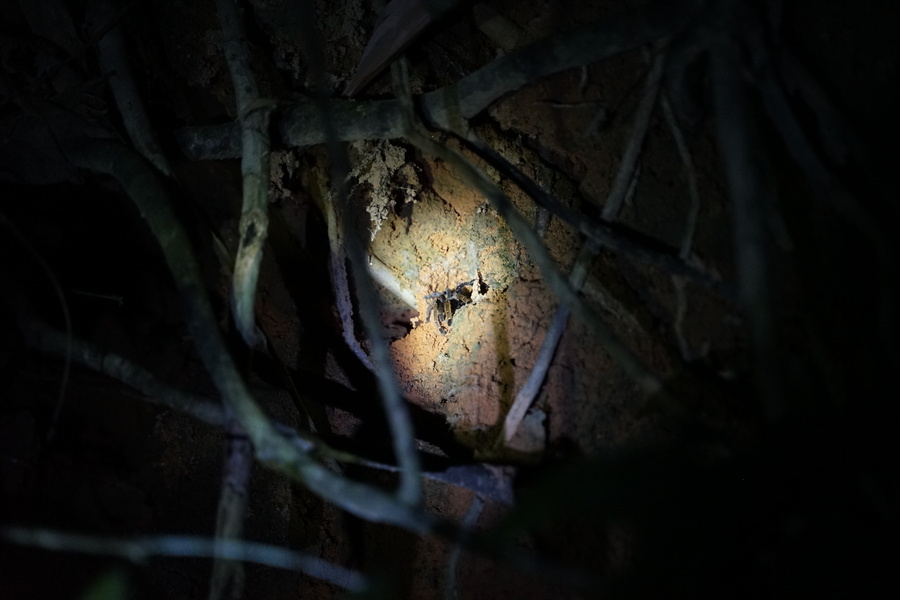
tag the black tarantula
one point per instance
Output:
(448, 302)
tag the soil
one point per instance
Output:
(465, 310)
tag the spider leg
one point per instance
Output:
(446, 311)
(461, 287)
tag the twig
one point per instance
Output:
(340, 280)
(104, 18)
(451, 589)
(301, 124)
(115, 298)
(840, 139)
(396, 413)
(253, 114)
(43, 337)
(66, 342)
(625, 176)
(399, 25)
(383, 275)
(272, 446)
(741, 156)
(532, 386)
(690, 227)
(595, 42)
(601, 232)
(829, 188)
(227, 578)
(140, 549)
(488, 481)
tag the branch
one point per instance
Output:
(140, 549)
(253, 113)
(65, 343)
(403, 439)
(611, 208)
(272, 446)
(690, 228)
(532, 386)
(837, 139)
(227, 579)
(104, 21)
(742, 156)
(41, 336)
(451, 578)
(340, 280)
(485, 480)
(369, 303)
(601, 231)
(302, 125)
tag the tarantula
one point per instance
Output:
(448, 302)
